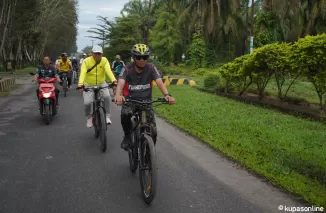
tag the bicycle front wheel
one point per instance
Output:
(102, 128)
(148, 169)
(65, 87)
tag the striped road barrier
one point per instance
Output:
(176, 81)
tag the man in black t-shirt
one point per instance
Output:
(136, 80)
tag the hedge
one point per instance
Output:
(305, 58)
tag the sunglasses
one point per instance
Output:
(144, 57)
(98, 53)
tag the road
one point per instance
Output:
(59, 168)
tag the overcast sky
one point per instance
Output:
(89, 10)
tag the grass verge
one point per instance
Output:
(19, 72)
(11, 88)
(288, 151)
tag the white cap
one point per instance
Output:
(84, 54)
(97, 49)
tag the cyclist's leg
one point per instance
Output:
(127, 111)
(105, 94)
(88, 100)
(151, 120)
(60, 76)
(69, 79)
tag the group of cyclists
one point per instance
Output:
(132, 81)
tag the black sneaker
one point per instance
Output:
(125, 142)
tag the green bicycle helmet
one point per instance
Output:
(140, 50)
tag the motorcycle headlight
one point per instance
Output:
(46, 94)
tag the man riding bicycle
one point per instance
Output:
(74, 64)
(92, 73)
(117, 66)
(136, 81)
(64, 65)
(46, 71)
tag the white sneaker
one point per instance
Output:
(108, 120)
(89, 123)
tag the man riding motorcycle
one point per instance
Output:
(136, 81)
(98, 66)
(64, 65)
(46, 71)
(117, 66)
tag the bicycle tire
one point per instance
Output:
(147, 142)
(65, 87)
(96, 131)
(102, 129)
(132, 153)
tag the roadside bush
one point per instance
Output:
(235, 78)
(310, 58)
(286, 62)
(213, 80)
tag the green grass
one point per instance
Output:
(19, 72)
(288, 151)
(11, 88)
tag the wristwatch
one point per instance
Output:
(168, 95)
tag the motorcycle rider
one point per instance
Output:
(64, 65)
(98, 66)
(47, 71)
(136, 81)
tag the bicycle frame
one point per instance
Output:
(141, 127)
(97, 103)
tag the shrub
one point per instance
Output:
(310, 57)
(212, 80)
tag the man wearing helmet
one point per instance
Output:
(136, 81)
(64, 65)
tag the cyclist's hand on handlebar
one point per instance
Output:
(170, 99)
(80, 87)
(119, 99)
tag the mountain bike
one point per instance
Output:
(142, 152)
(99, 115)
(64, 79)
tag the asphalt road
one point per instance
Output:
(59, 168)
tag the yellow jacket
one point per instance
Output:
(97, 75)
(64, 66)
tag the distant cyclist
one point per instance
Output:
(64, 65)
(117, 65)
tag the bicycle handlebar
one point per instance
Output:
(161, 100)
(95, 87)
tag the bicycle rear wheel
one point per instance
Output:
(102, 128)
(147, 169)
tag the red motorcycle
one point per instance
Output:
(47, 98)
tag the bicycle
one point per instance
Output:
(142, 152)
(99, 115)
(64, 77)
(75, 75)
